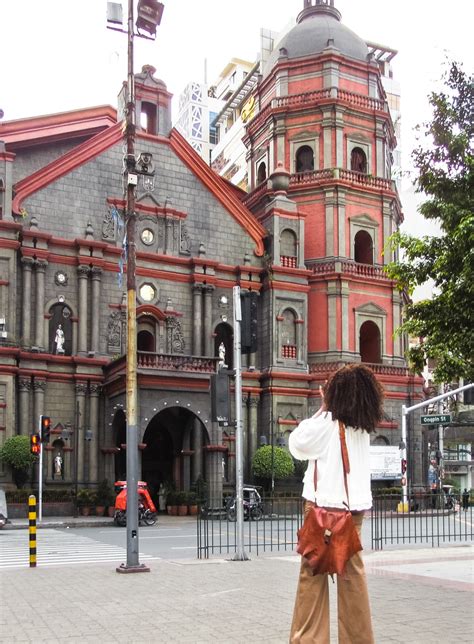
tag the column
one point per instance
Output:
(94, 391)
(27, 264)
(81, 391)
(39, 318)
(197, 449)
(83, 274)
(208, 349)
(197, 319)
(96, 277)
(24, 388)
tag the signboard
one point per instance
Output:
(436, 419)
(385, 462)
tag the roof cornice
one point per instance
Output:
(65, 164)
(219, 189)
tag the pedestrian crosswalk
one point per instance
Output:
(56, 548)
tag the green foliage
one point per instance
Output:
(85, 497)
(49, 496)
(105, 494)
(281, 463)
(16, 453)
(443, 325)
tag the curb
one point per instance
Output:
(61, 524)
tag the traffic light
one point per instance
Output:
(220, 396)
(249, 323)
(45, 428)
(35, 444)
(404, 465)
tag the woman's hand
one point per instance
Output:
(323, 408)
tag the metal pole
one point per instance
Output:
(440, 448)
(132, 564)
(240, 554)
(40, 473)
(403, 456)
(76, 455)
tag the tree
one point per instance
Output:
(270, 460)
(443, 325)
(16, 453)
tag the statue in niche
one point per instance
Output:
(59, 340)
(58, 466)
(185, 244)
(221, 352)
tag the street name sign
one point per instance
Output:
(436, 419)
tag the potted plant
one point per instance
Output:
(182, 503)
(192, 504)
(171, 506)
(16, 452)
(85, 500)
(105, 498)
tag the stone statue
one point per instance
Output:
(59, 339)
(221, 351)
(58, 465)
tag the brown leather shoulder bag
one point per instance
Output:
(328, 537)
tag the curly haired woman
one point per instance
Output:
(353, 396)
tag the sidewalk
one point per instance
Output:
(418, 595)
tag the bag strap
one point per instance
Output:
(346, 467)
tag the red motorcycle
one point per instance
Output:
(146, 507)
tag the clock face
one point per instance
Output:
(147, 236)
(147, 292)
(61, 277)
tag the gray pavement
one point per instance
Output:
(418, 595)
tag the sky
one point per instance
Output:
(58, 55)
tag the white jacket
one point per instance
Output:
(318, 439)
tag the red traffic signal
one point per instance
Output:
(35, 444)
(45, 428)
(404, 465)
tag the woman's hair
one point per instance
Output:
(354, 396)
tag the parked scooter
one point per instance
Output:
(146, 507)
(252, 502)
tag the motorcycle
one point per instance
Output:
(252, 505)
(146, 507)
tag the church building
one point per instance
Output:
(310, 237)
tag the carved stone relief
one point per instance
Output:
(175, 339)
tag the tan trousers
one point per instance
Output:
(311, 614)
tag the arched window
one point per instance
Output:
(261, 173)
(369, 342)
(288, 335)
(358, 160)
(223, 334)
(60, 330)
(148, 118)
(145, 341)
(288, 249)
(363, 247)
(304, 159)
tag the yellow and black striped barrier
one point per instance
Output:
(32, 529)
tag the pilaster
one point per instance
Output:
(83, 276)
(208, 291)
(27, 267)
(39, 317)
(96, 283)
(24, 389)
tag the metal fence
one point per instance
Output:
(433, 519)
(274, 529)
(428, 519)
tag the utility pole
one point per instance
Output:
(149, 16)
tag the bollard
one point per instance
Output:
(32, 529)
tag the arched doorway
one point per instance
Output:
(170, 455)
(363, 248)
(145, 341)
(369, 342)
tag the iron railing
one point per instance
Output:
(433, 519)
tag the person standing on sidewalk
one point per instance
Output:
(353, 396)
(465, 500)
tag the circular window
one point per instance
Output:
(147, 292)
(148, 236)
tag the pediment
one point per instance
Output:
(371, 309)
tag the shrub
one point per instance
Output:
(105, 495)
(276, 460)
(16, 453)
(85, 497)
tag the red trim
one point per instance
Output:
(148, 209)
(65, 164)
(7, 156)
(148, 309)
(219, 189)
(215, 448)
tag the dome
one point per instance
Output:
(318, 27)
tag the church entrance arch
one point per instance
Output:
(174, 440)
